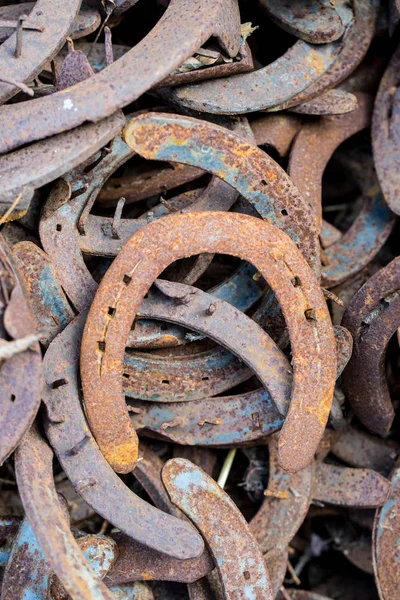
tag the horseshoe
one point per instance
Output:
(372, 317)
(34, 472)
(332, 102)
(308, 20)
(240, 564)
(20, 394)
(384, 542)
(56, 18)
(281, 265)
(243, 165)
(316, 68)
(360, 30)
(25, 170)
(262, 89)
(28, 572)
(359, 449)
(60, 218)
(86, 22)
(224, 420)
(98, 97)
(79, 456)
(288, 497)
(386, 133)
(314, 146)
(221, 421)
(187, 305)
(51, 309)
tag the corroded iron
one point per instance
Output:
(244, 166)
(311, 21)
(56, 19)
(108, 325)
(372, 318)
(240, 563)
(86, 468)
(21, 370)
(186, 24)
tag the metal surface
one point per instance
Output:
(332, 102)
(312, 21)
(243, 63)
(56, 18)
(360, 20)
(116, 303)
(184, 27)
(85, 466)
(238, 558)
(219, 421)
(25, 170)
(386, 133)
(51, 309)
(372, 318)
(385, 553)
(20, 375)
(187, 305)
(314, 146)
(87, 20)
(244, 166)
(34, 473)
(262, 89)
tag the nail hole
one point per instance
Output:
(284, 212)
(12, 398)
(205, 378)
(166, 381)
(310, 314)
(58, 383)
(101, 346)
(126, 375)
(246, 575)
(263, 182)
(127, 279)
(111, 311)
(58, 227)
(296, 281)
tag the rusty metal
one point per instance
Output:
(385, 542)
(240, 564)
(359, 449)
(189, 306)
(314, 146)
(385, 133)
(242, 63)
(372, 317)
(34, 471)
(51, 309)
(21, 374)
(360, 21)
(56, 17)
(86, 468)
(230, 234)
(86, 21)
(310, 20)
(23, 171)
(184, 27)
(220, 421)
(244, 166)
(261, 89)
(28, 573)
(74, 68)
(332, 102)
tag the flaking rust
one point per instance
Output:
(117, 302)
(238, 558)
